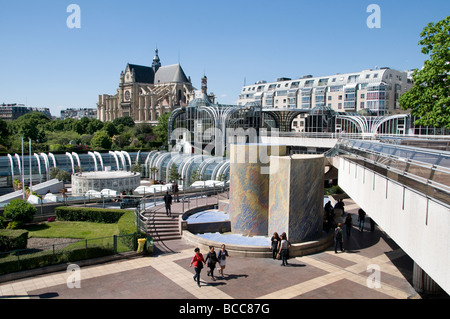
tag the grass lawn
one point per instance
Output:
(63, 229)
(82, 230)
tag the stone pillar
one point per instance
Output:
(423, 283)
(153, 105)
(249, 187)
(296, 196)
(147, 107)
(141, 108)
(108, 110)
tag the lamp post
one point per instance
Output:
(23, 179)
(31, 179)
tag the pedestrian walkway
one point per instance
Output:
(166, 275)
(352, 274)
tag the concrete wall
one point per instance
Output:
(420, 226)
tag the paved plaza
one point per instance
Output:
(166, 275)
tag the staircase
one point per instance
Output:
(162, 227)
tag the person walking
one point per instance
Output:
(198, 262)
(211, 260)
(338, 238)
(222, 256)
(284, 249)
(168, 202)
(274, 243)
(361, 217)
(348, 224)
(175, 191)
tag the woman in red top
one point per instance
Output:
(198, 262)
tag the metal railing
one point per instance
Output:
(41, 256)
(425, 176)
(190, 198)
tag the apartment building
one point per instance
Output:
(372, 91)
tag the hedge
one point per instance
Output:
(11, 239)
(87, 214)
(14, 263)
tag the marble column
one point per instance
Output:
(296, 196)
(249, 187)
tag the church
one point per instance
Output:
(145, 93)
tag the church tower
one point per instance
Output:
(204, 85)
(156, 61)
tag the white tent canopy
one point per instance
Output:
(109, 192)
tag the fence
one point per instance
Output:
(25, 259)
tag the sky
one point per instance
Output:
(46, 62)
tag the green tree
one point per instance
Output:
(429, 98)
(173, 173)
(101, 139)
(19, 210)
(125, 121)
(110, 129)
(59, 174)
(161, 128)
(196, 175)
(94, 126)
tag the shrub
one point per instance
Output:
(13, 239)
(18, 210)
(87, 214)
(14, 225)
(17, 262)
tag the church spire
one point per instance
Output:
(156, 62)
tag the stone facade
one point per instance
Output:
(145, 93)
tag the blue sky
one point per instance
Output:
(43, 63)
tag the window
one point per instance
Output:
(309, 83)
(367, 76)
(363, 96)
(336, 88)
(340, 106)
(295, 84)
(375, 75)
(340, 97)
(361, 105)
(329, 98)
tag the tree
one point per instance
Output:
(429, 98)
(101, 139)
(110, 129)
(173, 173)
(59, 174)
(196, 175)
(19, 210)
(161, 128)
(125, 120)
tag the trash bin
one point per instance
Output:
(141, 244)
